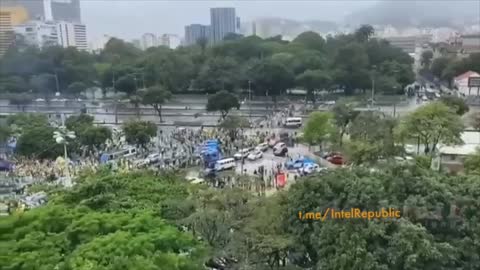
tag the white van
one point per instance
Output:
(224, 164)
(293, 122)
(280, 149)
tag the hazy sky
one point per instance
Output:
(131, 18)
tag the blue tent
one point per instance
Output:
(6, 165)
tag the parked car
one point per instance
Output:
(243, 153)
(299, 163)
(280, 149)
(312, 168)
(256, 154)
(262, 147)
(336, 159)
(152, 158)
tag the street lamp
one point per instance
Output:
(374, 68)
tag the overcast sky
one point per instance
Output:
(129, 19)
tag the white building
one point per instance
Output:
(98, 44)
(453, 157)
(149, 40)
(461, 82)
(38, 33)
(72, 35)
(169, 40)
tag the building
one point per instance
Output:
(169, 40)
(35, 9)
(223, 21)
(66, 10)
(408, 43)
(470, 43)
(38, 33)
(10, 17)
(59, 10)
(72, 35)
(98, 43)
(194, 32)
(149, 40)
(461, 82)
(453, 157)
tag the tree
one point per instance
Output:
(20, 100)
(139, 132)
(126, 84)
(24, 121)
(222, 102)
(310, 40)
(456, 103)
(351, 68)
(433, 124)
(136, 100)
(472, 163)
(271, 78)
(94, 137)
(426, 58)
(319, 128)
(364, 33)
(233, 124)
(313, 80)
(343, 115)
(439, 65)
(218, 74)
(38, 142)
(76, 88)
(156, 96)
(475, 120)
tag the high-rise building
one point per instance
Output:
(72, 35)
(98, 43)
(223, 21)
(66, 10)
(169, 40)
(60, 10)
(35, 8)
(194, 32)
(10, 17)
(149, 40)
(38, 33)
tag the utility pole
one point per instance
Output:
(115, 98)
(249, 100)
(373, 85)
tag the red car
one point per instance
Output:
(335, 159)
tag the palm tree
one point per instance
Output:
(364, 32)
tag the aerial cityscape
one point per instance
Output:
(239, 135)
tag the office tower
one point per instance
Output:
(169, 40)
(38, 33)
(10, 17)
(149, 40)
(223, 21)
(194, 32)
(35, 9)
(72, 35)
(66, 10)
(60, 10)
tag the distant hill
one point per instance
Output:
(402, 14)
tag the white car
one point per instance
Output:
(39, 99)
(257, 154)
(152, 158)
(311, 168)
(243, 153)
(262, 147)
(410, 149)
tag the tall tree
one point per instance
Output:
(139, 132)
(433, 124)
(271, 78)
(426, 59)
(319, 128)
(156, 96)
(456, 103)
(364, 33)
(222, 102)
(313, 80)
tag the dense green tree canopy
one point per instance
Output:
(222, 102)
(139, 132)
